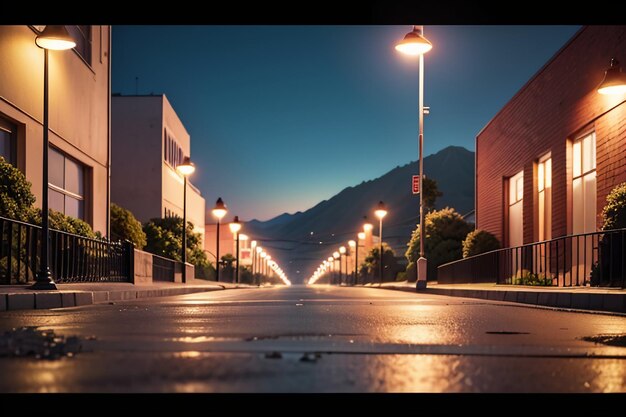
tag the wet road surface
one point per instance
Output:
(319, 339)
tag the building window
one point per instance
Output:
(82, 37)
(173, 153)
(584, 184)
(8, 134)
(66, 182)
(544, 198)
(516, 218)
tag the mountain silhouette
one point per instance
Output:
(301, 240)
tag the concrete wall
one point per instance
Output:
(136, 126)
(555, 107)
(143, 269)
(78, 109)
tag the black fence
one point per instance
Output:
(163, 269)
(589, 259)
(72, 258)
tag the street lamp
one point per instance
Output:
(235, 227)
(352, 245)
(253, 254)
(54, 38)
(263, 263)
(381, 211)
(336, 256)
(331, 263)
(185, 169)
(218, 212)
(614, 81)
(360, 236)
(342, 252)
(414, 43)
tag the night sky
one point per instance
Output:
(282, 117)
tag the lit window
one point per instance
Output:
(66, 182)
(7, 141)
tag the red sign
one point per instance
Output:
(416, 184)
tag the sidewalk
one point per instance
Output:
(578, 298)
(18, 297)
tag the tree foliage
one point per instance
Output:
(614, 212)
(370, 268)
(124, 226)
(164, 238)
(445, 232)
(431, 194)
(479, 241)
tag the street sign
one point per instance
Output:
(416, 184)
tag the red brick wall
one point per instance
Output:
(557, 105)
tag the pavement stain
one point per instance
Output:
(40, 344)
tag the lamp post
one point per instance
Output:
(342, 252)
(185, 169)
(414, 43)
(235, 227)
(218, 212)
(352, 245)
(336, 256)
(381, 212)
(360, 236)
(262, 265)
(253, 255)
(54, 38)
(258, 262)
(331, 263)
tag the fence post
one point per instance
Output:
(129, 254)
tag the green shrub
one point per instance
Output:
(124, 226)
(445, 232)
(528, 278)
(371, 266)
(479, 241)
(16, 198)
(614, 212)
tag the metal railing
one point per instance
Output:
(588, 259)
(73, 258)
(163, 269)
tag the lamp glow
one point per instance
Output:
(235, 226)
(361, 235)
(186, 168)
(414, 43)
(219, 210)
(342, 250)
(614, 81)
(55, 37)
(351, 243)
(381, 211)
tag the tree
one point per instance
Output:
(124, 226)
(164, 238)
(228, 269)
(445, 232)
(370, 268)
(479, 241)
(614, 212)
(431, 193)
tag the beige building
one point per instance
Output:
(227, 243)
(149, 141)
(79, 103)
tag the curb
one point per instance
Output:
(611, 303)
(63, 299)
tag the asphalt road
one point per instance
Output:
(319, 339)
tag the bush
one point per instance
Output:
(614, 212)
(124, 226)
(16, 198)
(445, 232)
(164, 238)
(371, 266)
(528, 278)
(479, 241)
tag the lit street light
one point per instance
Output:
(381, 212)
(235, 227)
(253, 254)
(414, 43)
(360, 236)
(342, 252)
(353, 248)
(54, 38)
(218, 212)
(185, 169)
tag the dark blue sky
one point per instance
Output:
(282, 117)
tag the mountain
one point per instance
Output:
(299, 241)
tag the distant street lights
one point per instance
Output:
(414, 43)
(336, 256)
(54, 38)
(342, 252)
(381, 212)
(185, 169)
(219, 211)
(353, 248)
(235, 227)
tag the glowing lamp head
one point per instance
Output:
(263, 254)
(352, 243)
(414, 43)
(361, 235)
(243, 237)
(235, 226)
(253, 244)
(330, 259)
(614, 81)
(186, 168)
(56, 38)
(259, 249)
(381, 210)
(336, 255)
(219, 210)
(342, 250)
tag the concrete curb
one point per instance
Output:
(61, 299)
(613, 303)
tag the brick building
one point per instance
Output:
(546, 162)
